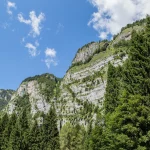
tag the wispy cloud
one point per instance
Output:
(112, 15)
(22, 20)
(10, 5)
(5, 25)
(23, 40)
(32, 49)
(59, 28)
(34, 21)
(50, 59)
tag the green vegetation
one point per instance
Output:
(129, 27)
(72, 137)
(5, 96)
(48, 84)
(136, 23)
(17, 134)
(126, 123)
(123, 121)
(98, 57)
(102, 47)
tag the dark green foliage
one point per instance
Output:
(23, 102)
(76, 64)
(35, 139)
(112, 89)
(122, 124)
(5, 96)
(3, 103)
(114, 37)
(17, 134)
(127, 105)
(136, 23)
(122, 43)
(72, 137)
(41, 78)
(50, 131)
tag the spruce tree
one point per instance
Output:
(50, 131)
(131, 124)
(36, 140)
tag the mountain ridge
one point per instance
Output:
(84, 103)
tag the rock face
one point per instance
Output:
(5, 96)
(36, 99)
(32, 90)
(85, 52)
(84, 89)
(77, 97)
(80, 94)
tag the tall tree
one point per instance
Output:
(3, 125)
(50, 131)
(131, 124)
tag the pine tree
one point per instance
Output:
(132, 121)
(24, 130)
(3, 125)
(15, 139)
(50, 131)
(35, 140)
(112, 89)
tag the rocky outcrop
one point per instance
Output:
(5, 96)
(80, 94)
(84, 53)
(36, 99)
(86, 85)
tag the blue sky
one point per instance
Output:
(64, 29)
(43, 36)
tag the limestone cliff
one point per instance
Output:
(80, 94)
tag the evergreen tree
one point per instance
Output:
(3, 124)
(127, 127)
(23, 126)
(15, 139)
(50, 131)
(72, 137)
(112, 89)
(130, 122)
(36, 140)
(8, 129)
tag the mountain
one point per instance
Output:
(95, 105)
(5, 96)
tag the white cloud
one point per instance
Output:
(50, 61)
(9, 6)
(50, 55)
(32, 49)
(22, 20)
(34, 22)
(103, 35)
(112, 15)
(50, 52)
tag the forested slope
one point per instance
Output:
(102, 103)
